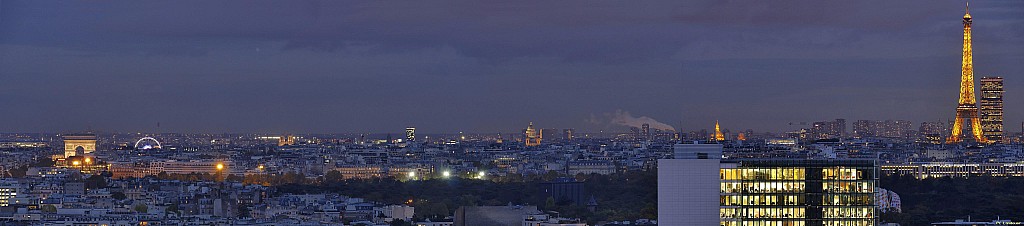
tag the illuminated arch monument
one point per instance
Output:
(79, 144)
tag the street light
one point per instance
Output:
(446, 174)
(220, 166)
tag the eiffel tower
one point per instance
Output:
(967, 111)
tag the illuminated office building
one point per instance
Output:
(992, 108)
(764, 191)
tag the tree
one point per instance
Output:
(549, 204)
(243, 210)
(118, 195)
(172, 208)
(48, 208)
(141, 208)
(95, 181)
(400, 222)
(332, 177)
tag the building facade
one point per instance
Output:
(991, 111)
(787, 192)
(798, 192)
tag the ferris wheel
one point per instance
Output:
(147, 143)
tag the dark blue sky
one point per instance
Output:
(484, 66)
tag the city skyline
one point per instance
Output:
(329, 67)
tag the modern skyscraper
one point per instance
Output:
(967, 110)
(410, 134)
(718, 132)
(992, 108)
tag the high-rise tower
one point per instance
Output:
(992, 108)
(718, 132)
(967, 110)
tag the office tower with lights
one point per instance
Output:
(569, 134)
(991, 105)
(789, 192)
(410, 134)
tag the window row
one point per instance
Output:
(842, 173)
(848, 200)
(762, 187)
(848, 212)
(761, 200)
(849, 187)
(762, 223)
(849, 223)
(754, 213)
(763, 174)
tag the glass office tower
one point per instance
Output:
(798, 192)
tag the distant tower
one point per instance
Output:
(718, 132)
(532, 138)
(645, 131)
(992, 108)
(410, 134)
(968, 108)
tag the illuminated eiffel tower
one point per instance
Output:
(968, 108)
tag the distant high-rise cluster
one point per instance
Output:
(829, 129)
(992, 108)
(933, 132)
(880, 128)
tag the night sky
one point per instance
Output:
(491, 66)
